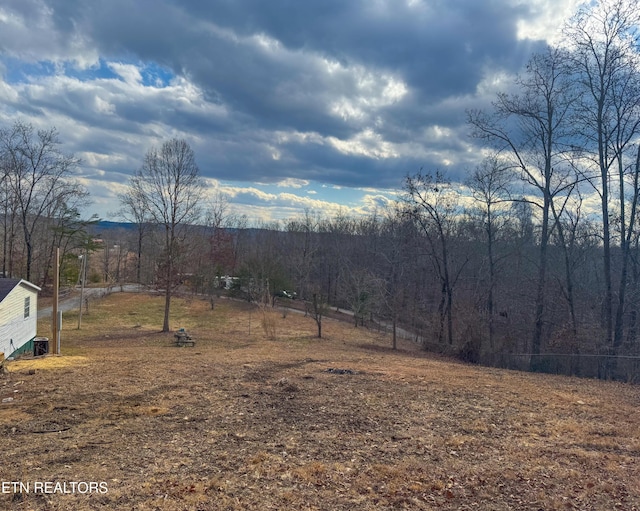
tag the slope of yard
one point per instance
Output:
(243, 421)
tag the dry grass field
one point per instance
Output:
(249, 421)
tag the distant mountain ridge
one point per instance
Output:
(107, 225)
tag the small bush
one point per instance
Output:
(470, 352)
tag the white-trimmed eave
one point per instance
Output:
(28, 284)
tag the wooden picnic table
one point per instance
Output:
(183, 338)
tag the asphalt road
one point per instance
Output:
(72, 301)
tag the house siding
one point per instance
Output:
(16, 331)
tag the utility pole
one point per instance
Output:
(54, 316)
(83, 274)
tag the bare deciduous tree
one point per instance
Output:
(363, 291)
(34, 169)
(168, 185)
(603, 41)
(537, 145)
(432, 204)
(317, 308)
(490, 186)
(134, 209)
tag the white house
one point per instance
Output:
(18, 316)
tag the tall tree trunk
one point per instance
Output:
(167, 296)
(567, 270)
(446, 286)
(625, 246)
(395, 331)
(5, 237)
(29, 247)
(139, 258)
(492, 277)
(450, 315)
(542, 277)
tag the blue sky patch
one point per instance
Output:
(18, 71)
(154, 75)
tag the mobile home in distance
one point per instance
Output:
(18, 316)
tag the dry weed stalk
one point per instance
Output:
(269, 324)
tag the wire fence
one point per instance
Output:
(585, 365)
(611, 367)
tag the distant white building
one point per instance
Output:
(227, 282)
(18, 316)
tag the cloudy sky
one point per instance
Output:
(288, 104)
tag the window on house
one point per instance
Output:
(27, 307)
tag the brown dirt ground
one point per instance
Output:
(241, 421)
